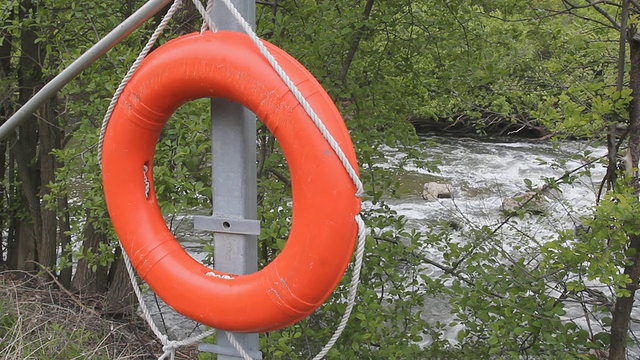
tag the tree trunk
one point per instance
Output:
(49, 140)
(355, 42)
(24, 151)
(121, 300)
(624, 305)
(90, 278)
(5, 110)
(26, 251)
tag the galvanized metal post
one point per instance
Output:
(233, 136)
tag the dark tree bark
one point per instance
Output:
(120, 298)
(355, 43)
(624, 305)
(26, 251)
(49, 140)
(24, 151)
(5, 110)
(90, 278)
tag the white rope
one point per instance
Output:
(236, 345)
(353, 288)
(205, 19)
(294, 89)
(355, 278)
(208, 22)
(169, 346)
(152, 40)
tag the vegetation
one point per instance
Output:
(39, 320)
(547, 68)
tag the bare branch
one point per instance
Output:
(613, 24)
(609, 17)
(587, 5)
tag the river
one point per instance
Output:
(481, 173)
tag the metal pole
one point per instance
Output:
(233, 150)
(84, 61)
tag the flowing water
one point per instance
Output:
(484, 173)
(481, 174)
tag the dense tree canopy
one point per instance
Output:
(549, 69)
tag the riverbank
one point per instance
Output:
(518, 126)
(41, 320)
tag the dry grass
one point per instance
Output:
(38, 320)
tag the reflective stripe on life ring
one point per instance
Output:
(323, 233)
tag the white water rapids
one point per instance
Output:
(481, 174)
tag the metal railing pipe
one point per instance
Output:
(83, 62)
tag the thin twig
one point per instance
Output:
(71, 296)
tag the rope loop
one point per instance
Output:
(170, 345)
(169, 349)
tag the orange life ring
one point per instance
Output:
(323, 233)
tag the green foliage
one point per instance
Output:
(508, 287)
(510, 290)
(507, 301)
(599, 252)
(181, 170)
(586, 110)
(386, 321)
(184, 152)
